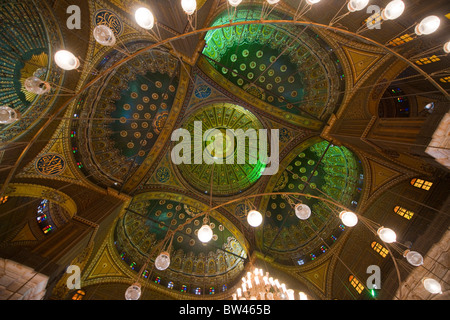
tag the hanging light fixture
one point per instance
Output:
(311, 2)
(37, 86)
(162, 262)
(357, 5)
(189, 6)
(144, 18)
(447, 47)
(254, 218)
(387, 235)
(432, 286)
(393, 10)
(257, 285)
(234, 3)
(348, 218)
(104, 36)
(413, 257)
(133, 292)
(205, 233)
(428, 25)
(66, 60)
(302, 211)
(8, 115)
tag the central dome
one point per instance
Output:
(222, 126)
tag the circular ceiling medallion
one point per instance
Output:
(235, 168)
(51, 164)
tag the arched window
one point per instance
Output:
(421, 184)
(158, 280)
(79, 295)
(224, 287)
(212, 290)
(380, 249)
(198, 290)
(403, 212)
(356, 284)
(170, 285)
(184, 288)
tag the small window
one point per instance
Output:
(407, 214)
(380, 249)
(427, 60)
(4, 199)
(170, 285)
(421, 184)
(400, 40)
(356, 284)
(79, 295)
(198, 291)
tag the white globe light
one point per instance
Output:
(447, 47)
(414, 258)
(273, 1)
(393, 10)
(144, 18)
(162, 262)
(66, 60)
(387, 235)
(428, 25)
(133, 292)
(432, 286)
(234, 3)
(311, 2)
(205, 233)
(8, 115)
(35, 85)
(348, 218)
(254, 218)
(357, 5)
(189, 6)
(302, 211)
(104, 35)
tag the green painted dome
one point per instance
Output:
(238, 170)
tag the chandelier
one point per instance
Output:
(259, 286)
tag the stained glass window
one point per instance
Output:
(170, 285)
(79, 295)
(4, 199)
(356, 284)
(421, 184)
(380, 249)
(407, 214)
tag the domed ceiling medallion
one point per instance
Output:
(289, 67)
(314, 168)
(145, 225)
(235, 174)
(128, 115)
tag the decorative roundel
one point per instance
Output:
(109, 19)
(203, 91)
(51, 164)
(162, 174)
